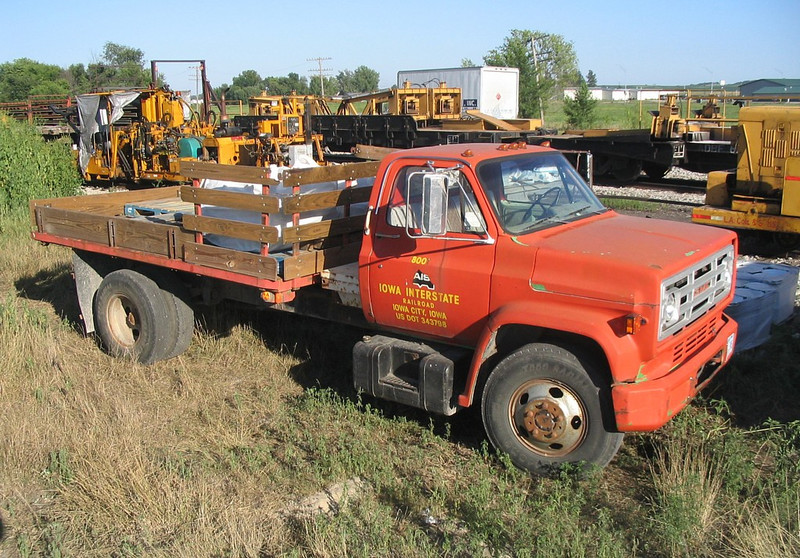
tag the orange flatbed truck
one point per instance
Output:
(487, 274)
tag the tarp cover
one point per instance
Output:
(91, 117)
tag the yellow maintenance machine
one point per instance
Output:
(706, 124)
(274, 124)
(138, 134)
(438, 103)
(763, 193)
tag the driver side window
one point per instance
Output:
(463, 215)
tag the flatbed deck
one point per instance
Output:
(167, 226)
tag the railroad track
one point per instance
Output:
(679, 185)
(662, 201)
(666, 191)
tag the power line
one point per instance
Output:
(321, 71)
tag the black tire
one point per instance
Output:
(173, 292)
(133, 318)
(544, 409)
(786, 242)
(655, 170)
(626, 170)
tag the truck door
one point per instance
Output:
(431, 282)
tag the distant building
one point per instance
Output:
(770, 87)
(628, 93)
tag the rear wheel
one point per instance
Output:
(626, 170)
(133, 318)
(172, 290)
(544, 409)
(655, 170)
(786, 242)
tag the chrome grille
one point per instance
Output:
(688, 295)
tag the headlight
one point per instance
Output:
(670, 312)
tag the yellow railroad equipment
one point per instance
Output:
(437, 103)
(763, 193)
(139, 134)
(274, 124)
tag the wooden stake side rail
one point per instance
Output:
(234, 173)
(329, 173)
(175, 239)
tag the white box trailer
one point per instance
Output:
(493, 90)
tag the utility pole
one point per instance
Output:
(321, 71)
(196, 83)
(535, 54)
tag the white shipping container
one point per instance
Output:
(492, 90)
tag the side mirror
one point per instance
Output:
(434, 204)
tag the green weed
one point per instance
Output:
(32, 168)
(629, 205)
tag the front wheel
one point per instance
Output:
(544, 409)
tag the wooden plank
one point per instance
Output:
(112, 203)
(234, 200)
(235, 229)
(341, 255)
(496, 122)
(329, 173)
(264, 267)
(148, 236)
(73, 224)
(301, 265)
(169, 208)
(322, 200)
(323, 229)
(373, 152)
(308, 263)
(233, 173)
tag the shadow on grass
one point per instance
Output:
(55, 287)
(326, 352)
(763, 383)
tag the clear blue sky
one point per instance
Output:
(623, 42)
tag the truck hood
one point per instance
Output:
(619, 258)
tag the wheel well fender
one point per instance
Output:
(589, 332)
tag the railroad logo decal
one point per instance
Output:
(423, 280)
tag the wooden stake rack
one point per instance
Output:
(166, 226)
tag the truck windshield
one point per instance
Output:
(531, 191)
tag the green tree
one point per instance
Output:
(78, 79)
(286, 85)
(247, 84)
(331, 85)
(360, 80)
(120, 66)
(24, 77)
(546, 63)
(467, 63)
(591, 79)
(580, 109)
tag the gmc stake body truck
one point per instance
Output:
(489, 274)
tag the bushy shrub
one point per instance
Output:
(31, 167)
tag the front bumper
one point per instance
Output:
(648, 405)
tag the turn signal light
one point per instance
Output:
(633, 323)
